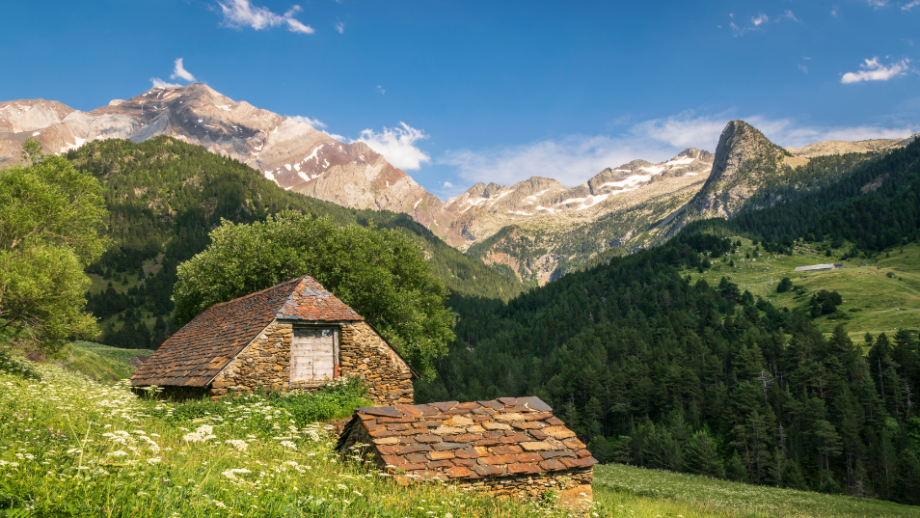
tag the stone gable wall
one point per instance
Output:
(362, 353)
(265, 363)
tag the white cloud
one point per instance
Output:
(877, 4)
(911, 5)
(872, 70)
(316, 123)
(159, 83)
(576, 158)
(341, 26)
(340, 138)
(790, 16)
(834, 11)
(381, 90)
(241, 13)
(179, 72)
(803, 68)
(760, 19)
(397, 145)
(448, 185)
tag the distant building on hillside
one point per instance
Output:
(511, 447)
(819, 267)
(293, 336)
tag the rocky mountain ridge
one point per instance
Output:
(292, 154)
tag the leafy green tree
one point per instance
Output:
(382, 274)
(51, 228)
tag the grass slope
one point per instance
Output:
(73, 447)
(873, 301)
(632, 491)
(101, 362)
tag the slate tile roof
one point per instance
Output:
(195, 354)
(451, 440)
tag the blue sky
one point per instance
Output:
(466, 91)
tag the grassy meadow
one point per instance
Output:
(71, 446)
(873, 301)
(630, 491)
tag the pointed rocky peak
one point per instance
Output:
(493, 189)
(696, 154)
(743, 152)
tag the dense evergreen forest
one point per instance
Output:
(663, 371)
(164, 197)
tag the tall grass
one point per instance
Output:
(649, 492)
(72, 447)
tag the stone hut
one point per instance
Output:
(508, 447)
(296, 335)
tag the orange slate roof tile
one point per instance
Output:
(195, 354)
(466, 442)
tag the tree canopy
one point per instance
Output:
(51, 228)
(382, 274)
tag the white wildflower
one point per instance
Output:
(238, 444)
(118, 453)
(288, 444)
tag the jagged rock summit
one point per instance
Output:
(293, 154)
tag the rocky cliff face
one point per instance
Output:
(745, 163)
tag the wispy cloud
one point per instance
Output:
(316, 123)
(909, 6)
(397, 145)
(872, 70)
(381, 90)
(789, 15)
(241, 13)
(340, 27)
(159, 83)
(576, 158)
(877, 4)
(179, 72)
(803, 68)
(835, 11)
(756, 23)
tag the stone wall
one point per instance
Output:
(362, 354)
(572, 487)
(265, 363)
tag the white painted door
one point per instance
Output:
(312, 354)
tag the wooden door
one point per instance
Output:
(312, 355)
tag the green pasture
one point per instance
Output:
(631, 491)
(874, 302)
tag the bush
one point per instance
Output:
(831, 487)
(17, 366)
(784, 285)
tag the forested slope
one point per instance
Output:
(164, 197)
(663, 370)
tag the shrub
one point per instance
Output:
(17, 366)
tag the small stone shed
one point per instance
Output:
(296, 335)
(508, 447)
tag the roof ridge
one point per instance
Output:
(295, 280)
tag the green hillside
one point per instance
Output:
(101, 362)
(878, 298)
(164, 196)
